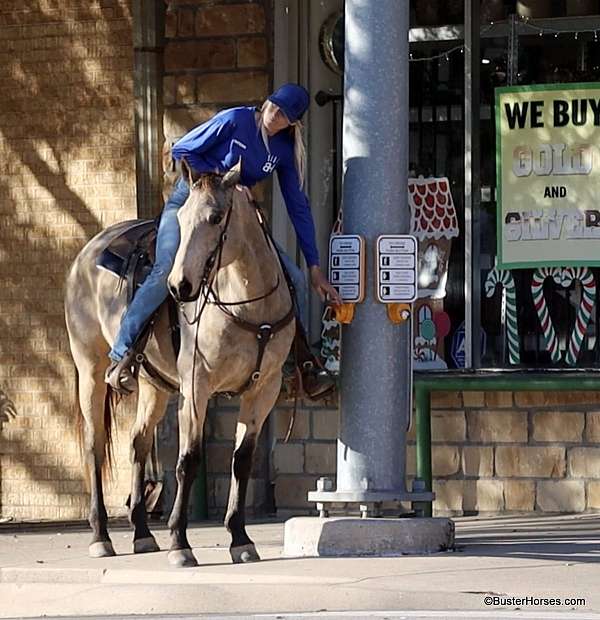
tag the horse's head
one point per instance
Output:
(202, 220)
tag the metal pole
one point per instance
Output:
(375, 377)
(148, 49)
(472, 185)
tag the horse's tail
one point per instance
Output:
(111, 400)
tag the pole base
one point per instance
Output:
(350, 536)
(364, 497)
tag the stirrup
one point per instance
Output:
(317, 383)
(120, 376)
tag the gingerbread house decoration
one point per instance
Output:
(434, 222)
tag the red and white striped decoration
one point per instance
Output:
(541, 307)
(584, 312)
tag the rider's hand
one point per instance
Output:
(322, 286)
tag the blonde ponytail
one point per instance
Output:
(299, 151)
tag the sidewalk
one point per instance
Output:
(46, 571)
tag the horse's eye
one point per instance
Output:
(215, 218)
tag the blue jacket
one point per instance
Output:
(217, 146)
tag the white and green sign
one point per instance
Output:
(548, 173)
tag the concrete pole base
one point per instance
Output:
(351, 536)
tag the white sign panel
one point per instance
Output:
(396, 268)
(347, 266)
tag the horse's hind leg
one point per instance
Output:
(151, 407)
(254, 409)
(95, 409)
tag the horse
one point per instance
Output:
(237, 324)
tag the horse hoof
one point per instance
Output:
(145, 545)
(244, 554)
(182, 558)
(102, 549)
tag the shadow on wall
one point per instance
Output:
(66, 171)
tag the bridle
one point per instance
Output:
(263, 331)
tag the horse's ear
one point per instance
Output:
(188, 171)
(233, 176)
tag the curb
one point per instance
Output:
(185, 576)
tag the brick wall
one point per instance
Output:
(217, 55)
(66, 171)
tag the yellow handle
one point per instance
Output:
(344, 313)
(398, 313)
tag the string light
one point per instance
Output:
(523, 21)
(542, 30)
(445, 55)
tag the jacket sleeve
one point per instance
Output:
(298, 209)
(204, 136)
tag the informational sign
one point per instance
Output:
(396, 269)
(548, 171)
(457, 352)
(347, 266)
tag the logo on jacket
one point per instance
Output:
(270, 164)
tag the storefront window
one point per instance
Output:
(527, 320)
(436, 179)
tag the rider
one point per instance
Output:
(266, 140)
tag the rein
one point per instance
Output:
(263, 331)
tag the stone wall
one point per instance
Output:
(492, 452)
(522, 451)
(283, 472)
(66, 171)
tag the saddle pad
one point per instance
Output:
(138, 234)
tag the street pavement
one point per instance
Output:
(531, 567)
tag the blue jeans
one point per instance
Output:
(154, 289)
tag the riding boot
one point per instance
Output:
(317, 381)
(121, 375)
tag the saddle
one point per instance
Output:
(130, 255)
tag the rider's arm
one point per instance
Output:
(200, 139)
(298, 209)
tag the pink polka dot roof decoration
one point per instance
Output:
(432, 212)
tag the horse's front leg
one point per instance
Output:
(152, 404)
(191, 414)
(255, 406)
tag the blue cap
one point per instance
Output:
(292, 99)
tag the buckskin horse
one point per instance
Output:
(237, 324)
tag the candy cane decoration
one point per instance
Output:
(500, 276)
(537, 290)
(584, 312)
